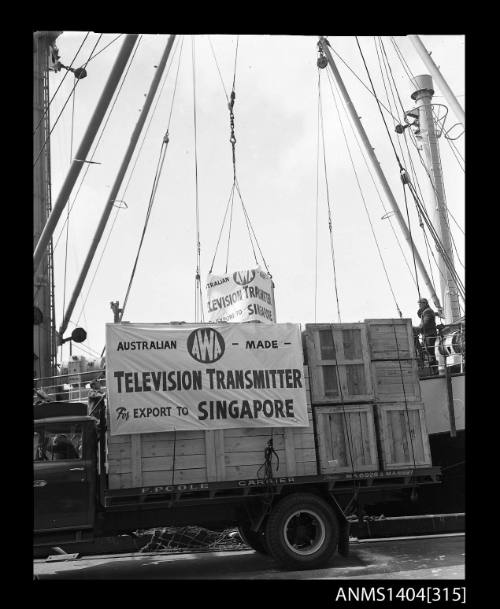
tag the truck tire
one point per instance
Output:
(302, 532)
(256, 540)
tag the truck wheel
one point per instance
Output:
(302, 532)
(255, 540)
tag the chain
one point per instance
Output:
(232, 139)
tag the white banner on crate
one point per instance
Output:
(165, 377)
(241, 296)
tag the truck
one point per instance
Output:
(288, 489)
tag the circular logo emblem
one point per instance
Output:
(244, 278)
(206, 345)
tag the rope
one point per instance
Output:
(379, 104)
(317, 212)
(328, 200)
(364, 203)
(173, 458)
(218, 69)
(230, 204)
(405, 399)
(104, 48)
(101, 135)
(60, 84)
(198, 296)
(374, 184)
(161, 159)
(411, 236)
(77, 80)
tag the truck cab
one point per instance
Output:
(64, 471)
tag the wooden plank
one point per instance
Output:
(220, 448)
(166, 448)
(390, 339)
(246, 472)
(255, 458)
(290, 457)
(396, 380)
(187, 476)
(398, 448)
(210, 456)
(166, 464)
(136, 459)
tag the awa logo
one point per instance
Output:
(206, 345)
(122, 413)
(244, 278)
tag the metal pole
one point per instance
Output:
(81, 154)
(438, 77)
(378, 169)
(44, 343)
(427, 135)
(117, 184)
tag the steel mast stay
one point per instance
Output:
(81, 154)
(324, 46)
(117, 184)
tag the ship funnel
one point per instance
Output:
(422, 83)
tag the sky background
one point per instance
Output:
(276, 125)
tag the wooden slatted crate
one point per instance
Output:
(346, 438)
(403, 435)
(339, 363)
(397, 380)
(209, 456)
(390, 339)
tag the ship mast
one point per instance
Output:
(378, 170)
(428, 136)
(44, 334)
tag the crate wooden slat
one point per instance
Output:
(394, 381)
(209, 456)
(346, 438)
(390, 339)
(339, 363)
(403, 435)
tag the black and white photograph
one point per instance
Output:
(249, 310)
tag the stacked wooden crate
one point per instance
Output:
(189, 457)
(399, 407)
(366, 396)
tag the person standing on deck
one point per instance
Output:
(427, 329)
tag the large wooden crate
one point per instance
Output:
(390, 339)
(339, 363)
(396, 380)
(209, 456)
(403, 435)
(346, 438)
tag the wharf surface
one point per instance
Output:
(434, 557)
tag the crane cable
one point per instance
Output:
(388, 69)
(363, 198)
(386, 213)
(132, 171)
(159, 167)
(71, 205)
(235, 188)
(198, 295)
(47, 139)
(406, 181)
(60, 84)
(330, 226)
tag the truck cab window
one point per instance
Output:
(58, 442)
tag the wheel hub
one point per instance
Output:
(304, 532)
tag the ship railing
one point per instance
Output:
(69, 387)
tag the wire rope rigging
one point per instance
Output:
(198, 294)
(235, 188)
